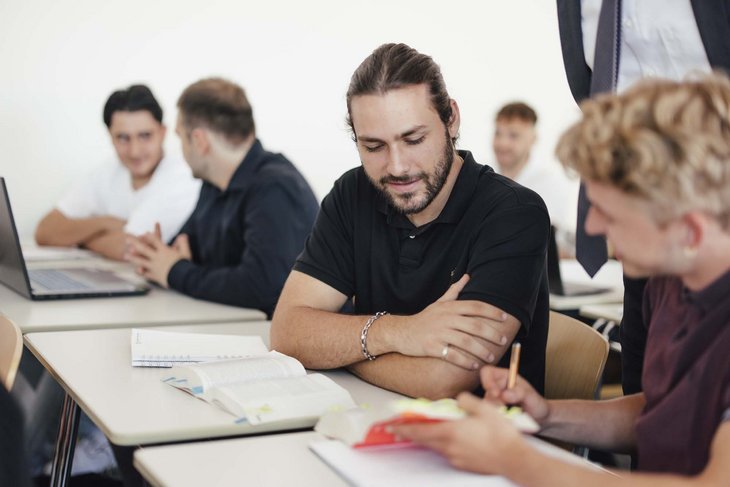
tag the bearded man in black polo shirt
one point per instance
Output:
(443, 259)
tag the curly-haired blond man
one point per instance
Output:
(656, 162)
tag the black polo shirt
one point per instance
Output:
(245, 239)
(491, 228)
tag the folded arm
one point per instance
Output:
(58, 229)
(112, 244)
(410, 349)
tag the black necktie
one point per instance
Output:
(591, 251)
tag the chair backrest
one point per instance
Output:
(575, 357)
(11, 347)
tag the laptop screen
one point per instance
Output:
(12, 265)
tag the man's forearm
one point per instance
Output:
(416, 376)
(57, 229)
(584, 422)
(110, 244)
(325, 340)
(319, 339)
(532, 468)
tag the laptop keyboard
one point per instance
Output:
(52, 279)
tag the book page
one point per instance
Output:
(154, 348)
(199, 378)
(275, 400)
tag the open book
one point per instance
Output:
(262, 389)
(153, 348)
(365, 427)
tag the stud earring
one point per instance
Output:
(689, 252)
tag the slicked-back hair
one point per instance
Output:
(517, 110)
(393, 66)
(133, 99)
(218, 105)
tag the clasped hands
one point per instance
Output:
(152, 258)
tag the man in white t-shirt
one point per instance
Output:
(514, 137)
(129, 195)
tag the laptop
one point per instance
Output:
(42, 284)
(555, 280)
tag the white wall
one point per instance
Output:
(59, 60)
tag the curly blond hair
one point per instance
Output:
(663, 141)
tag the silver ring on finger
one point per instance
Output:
(445, 351)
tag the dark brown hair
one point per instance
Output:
(219, 105)
(393, 66)
(132, 99)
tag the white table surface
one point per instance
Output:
(158, 308)
(610, 276)
(132, 406)
(272, 460)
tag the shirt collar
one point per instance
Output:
(711, 296)
(251, 163)
(458, 202)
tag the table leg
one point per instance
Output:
(65, 442)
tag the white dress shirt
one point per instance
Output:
(659, 39)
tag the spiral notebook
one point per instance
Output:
(154, 348)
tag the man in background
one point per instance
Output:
(514, 138)
(142, 187)
(254, 213)
(129, 195)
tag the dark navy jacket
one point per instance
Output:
(244, 240)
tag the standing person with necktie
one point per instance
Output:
(607, 46)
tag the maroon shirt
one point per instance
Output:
(686, 374)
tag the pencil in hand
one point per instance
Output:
(514, 365)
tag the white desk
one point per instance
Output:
(610, 276)
(132, 406)
(159, 307)
(272, 460)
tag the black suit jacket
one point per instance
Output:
(713, 22)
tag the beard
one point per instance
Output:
(407, 203)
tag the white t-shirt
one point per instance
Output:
(168, 198)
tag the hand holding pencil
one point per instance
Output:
(507, 387)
